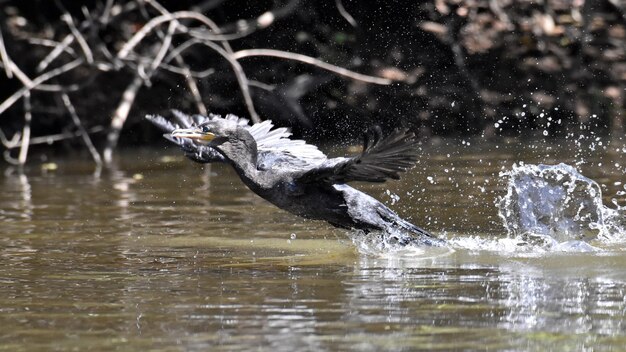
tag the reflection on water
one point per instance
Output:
(160, 253)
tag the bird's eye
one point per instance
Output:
(205, 129)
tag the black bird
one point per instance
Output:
(297, 177)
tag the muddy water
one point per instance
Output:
(164, 254)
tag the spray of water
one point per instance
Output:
(546, 208)
(550, 205)
(385, 244)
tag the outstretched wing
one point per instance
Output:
(381, 159)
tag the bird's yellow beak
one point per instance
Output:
(193, 133)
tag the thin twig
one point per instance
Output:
(28, 117)
(15, 70)
(226, 52)
(177, 51)
(311, 61)
(120, 115)
(187, 71)
(37, 81)
(242, 80)
(184, 69)
(345, 14)
(84, 135)
(51, 44)
(261, 85)
(79, 37)
(28, 83)
(106, 13)
(15, 140)
(193, 86)
(165, 46)
(62, 136)
(4, 56)
(67, 41)
(10, 67)
(86, 12)
(148, 27)
(224, 38)
(201, 35)
(10, 143)
(206, 39)
(9, 159)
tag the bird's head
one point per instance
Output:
(213, 132)
(227, 136)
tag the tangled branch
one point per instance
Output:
(76, 55)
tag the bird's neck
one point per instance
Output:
(242, 153)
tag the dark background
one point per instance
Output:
(461, 68)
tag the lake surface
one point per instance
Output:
(164, 254)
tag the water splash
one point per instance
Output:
(554, 206)
(387, 244)
(376, 242)
(547, 208)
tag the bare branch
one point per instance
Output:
(200, 34)
(106, 13)
(177, 51)
(311, 61)
(62, 136)
(242, 80)
(37, 81)
(10, 143)
(51, 44)
(15, 70)
(148, 27)
(345, 14)
(193, 86)
(261, 85)
(9, 159)
(79, 37)
(4, 56)
(10, 67)
(28, 117)
(120, 115)
(146, 52)
(85, 136)
(67, 41)
(165, 46)
(183, 71)
(28, 83)
(183, 67)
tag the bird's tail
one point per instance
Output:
(417, 235)
(407, 233)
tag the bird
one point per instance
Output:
(297, 177)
